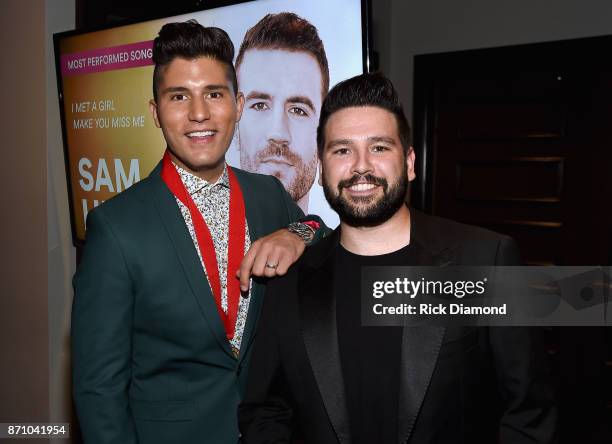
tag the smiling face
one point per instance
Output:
(277, 133)
(197, 112)
(364, 169)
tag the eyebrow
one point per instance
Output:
(383, 139)
(181, 89)
(338, 142)
(303, 100)
(371, 139)
(216, 87)
(293, 99)
(258, 95)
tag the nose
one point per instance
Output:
(199, 110)
(361, 162)
(278, 130)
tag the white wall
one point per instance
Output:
(59, 16)
(428, 26)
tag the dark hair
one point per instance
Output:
(289, 32)
(372, 89)
(190, 40)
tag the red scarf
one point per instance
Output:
(235, 246)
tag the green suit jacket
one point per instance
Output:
(150, 360)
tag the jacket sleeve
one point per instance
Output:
(523, 375)
(265, 415)
(101, 337)
(295, 213)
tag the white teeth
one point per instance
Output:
(362, 186)
(200, 133)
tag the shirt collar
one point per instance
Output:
(194, 184)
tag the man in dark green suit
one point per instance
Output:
(161, 332)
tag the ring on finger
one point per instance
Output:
(272, 266)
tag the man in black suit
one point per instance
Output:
(318, 374)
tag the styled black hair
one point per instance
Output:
(372, 89)
(290, 32)
(190, 40)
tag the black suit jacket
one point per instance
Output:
(451, 378)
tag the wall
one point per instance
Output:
(24, 373)
(413, 27)
(59, 16)
(37, 256)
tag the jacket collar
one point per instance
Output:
(194, 184)
(432, 248)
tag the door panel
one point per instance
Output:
(519, 140)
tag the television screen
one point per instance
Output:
(105, 85)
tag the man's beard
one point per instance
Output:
(305, 172)
(367, 211)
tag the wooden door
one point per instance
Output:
(519, 140)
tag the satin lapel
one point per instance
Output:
(420, 349)
(318, 323)
(173, 220)
(255, 221)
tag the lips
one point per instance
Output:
(280, 160)
(278, 154)
(361, 183)
(206, 133)
(362, 186)
(201, 136)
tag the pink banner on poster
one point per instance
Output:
(131, 55)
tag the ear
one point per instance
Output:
(239, 105)
(153, 110)
(410, 159)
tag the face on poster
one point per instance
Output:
(112, 140)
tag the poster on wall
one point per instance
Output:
(105, 84)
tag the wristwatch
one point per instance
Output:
(305, 231)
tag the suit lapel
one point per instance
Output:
(420, 348)
(172, 219)
(318, 322)
(420, 345)
(256, 221)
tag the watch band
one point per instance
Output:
(302, 229)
